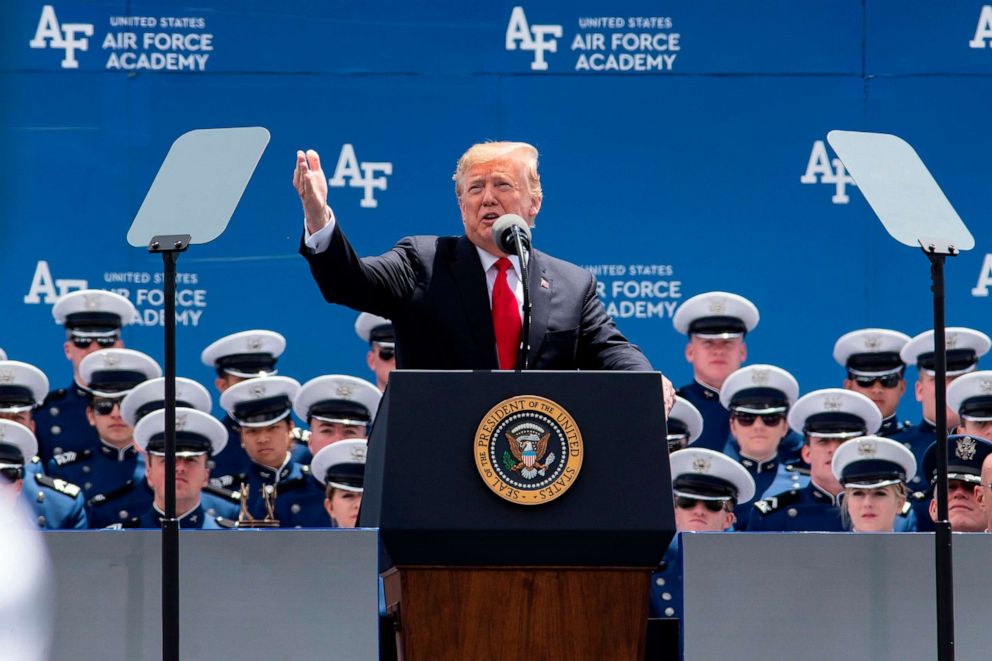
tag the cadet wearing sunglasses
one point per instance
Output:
(827, 418)
(111, 470)
(758, 398)
(381, 358)
(92, 319)
(706, 486)
(875, 369)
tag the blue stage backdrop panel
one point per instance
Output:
(683, 150)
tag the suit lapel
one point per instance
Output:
(471, 283)
(540, 298)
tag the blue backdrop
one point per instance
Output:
(682, 150)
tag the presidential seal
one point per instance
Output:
(528, 450)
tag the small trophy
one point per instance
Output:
(246, 520)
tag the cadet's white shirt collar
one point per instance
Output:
(179, 517)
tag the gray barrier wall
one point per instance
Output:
(829, 596)
(244, 595)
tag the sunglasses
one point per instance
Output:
(85, 342)
(11, 474)
(768, 419)
(887, 381)
(386, 354)
(686, 503)
(105, 406)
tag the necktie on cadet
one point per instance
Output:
(506, 317)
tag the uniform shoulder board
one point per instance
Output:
(70, 457)
(917, 496)
(775, 503)
(221, 492)
(907, 507)
(226, 523)
(58, 485)
(55, 396)
(301, 435)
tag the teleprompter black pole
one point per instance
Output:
(942, 527)
(170, 247)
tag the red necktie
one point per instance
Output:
(506, 317)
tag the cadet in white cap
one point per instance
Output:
(965, 454)
(236, 358)
(875, 369)
(198, 435)
(715, 323)
(340, 467)
(92, 319)
(336, 407)
(113, 464)
(873, 471)
(758, 398)
(970, 396)
(56, 504)
(685, 424)
(149, 397)
(377, 332)
(964, 347)
(262, 408)
(706, 486)
(17, 446)
(826, 418)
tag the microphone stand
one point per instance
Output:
(524, 252)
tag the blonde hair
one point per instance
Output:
(898, 489)
(486, 152)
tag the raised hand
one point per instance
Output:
(311, 185)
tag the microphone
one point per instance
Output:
(509, 231)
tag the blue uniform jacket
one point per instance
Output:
(918, 439)
(716, 419)
(195, 519)
(301, 503)
(57, 504)
(100, 468)
(770, 478)
(61, 425)
(666, 583)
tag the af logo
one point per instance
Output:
(983, 31)
(50, 34)
(535, 38)
(821, 169)
(528, 450)
(46, 289)
(360, 175)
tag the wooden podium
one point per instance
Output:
(471, 575)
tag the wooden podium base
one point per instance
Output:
(526, 613)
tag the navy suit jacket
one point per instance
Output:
(434, 291)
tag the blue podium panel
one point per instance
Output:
(243, 594)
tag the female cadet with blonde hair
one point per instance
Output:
(873, 471)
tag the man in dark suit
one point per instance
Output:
(463, 293)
